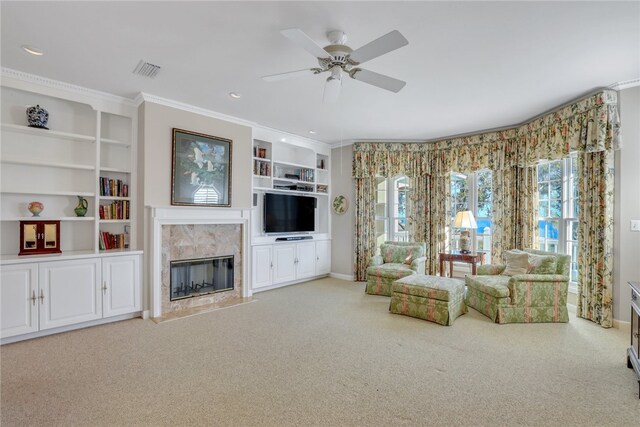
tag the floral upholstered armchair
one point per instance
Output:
(396, 260)
(531, 287)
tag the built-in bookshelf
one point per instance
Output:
(88, 150)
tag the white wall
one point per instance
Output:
(159, 120)
(342, 226)
(626, 265)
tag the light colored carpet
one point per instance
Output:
(321, 353)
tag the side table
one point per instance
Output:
(472, 258)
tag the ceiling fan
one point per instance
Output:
(338, 59)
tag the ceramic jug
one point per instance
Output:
(81, 209)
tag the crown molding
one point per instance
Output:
(8, 73)
(626, 84)
(154, 99)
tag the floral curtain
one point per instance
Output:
(590, 125)
(428, 210)
(515, 194)
(595, 237)
(365, 232)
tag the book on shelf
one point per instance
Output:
(116, 210)
(113, 187)
(261, 168)
(113, 241)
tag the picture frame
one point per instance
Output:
(200, 169)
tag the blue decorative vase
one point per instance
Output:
(37, 117)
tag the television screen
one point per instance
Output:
(287, 213)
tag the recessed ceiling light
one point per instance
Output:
(32, 50)
(283, 139)
(235, 95)
(312, 131)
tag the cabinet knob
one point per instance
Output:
(33, 297)
(104, 288)
(271, 265)
(41, 296)
(635, 334)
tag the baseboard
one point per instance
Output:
(623, 325)
(348, 277)
(68, 328)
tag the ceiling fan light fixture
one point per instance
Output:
(312, 132)
(235, 95)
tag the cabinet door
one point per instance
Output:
(18, 297)
(69, 292)
(323, 257)
(305, 260)
(121, 291)
(284, 263)
(262, 266)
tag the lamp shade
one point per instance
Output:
(465, 219)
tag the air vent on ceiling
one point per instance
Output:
(146, 69)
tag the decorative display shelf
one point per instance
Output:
(321, 183)
(118, 170)
(115, 221)
(48, 164)
(50, 193)
(38, 218)
(47, 133)
(114, 198)
(262, 159)
(265, 188)
(114, 142)
(262, 176)
(293, 181)
(295, 165)
(280, 190)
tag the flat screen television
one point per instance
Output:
(288, 213)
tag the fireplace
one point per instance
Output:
(190, 234)
(201, 276)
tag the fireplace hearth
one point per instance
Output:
(202, 276)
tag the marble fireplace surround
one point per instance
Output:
(193, 232)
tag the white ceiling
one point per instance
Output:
(468, 66)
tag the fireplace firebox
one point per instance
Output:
(202, 276)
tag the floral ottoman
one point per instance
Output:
(433, 298)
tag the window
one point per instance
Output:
(391, 209)
(473, 192)
(558, 208)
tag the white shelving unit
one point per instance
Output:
(88, 138)
(291, 168)
(90, 135)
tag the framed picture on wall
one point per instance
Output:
(200, 170)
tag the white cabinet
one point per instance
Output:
(18, 299)
(323, 257)
(69, 292)
(262, 266)
(284, 262)
(289, 262)
(305, 260)
(121, 291)
(40, 296)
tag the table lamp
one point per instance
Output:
(466, 221)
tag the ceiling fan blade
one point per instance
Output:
(332, 90)
(379, 80)
(287, 75)
(301, 39)
(390, 41)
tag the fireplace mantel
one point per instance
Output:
(172, 215)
